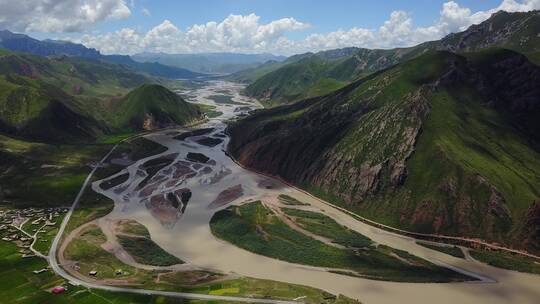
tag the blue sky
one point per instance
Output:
(249, 26)
(323, 15)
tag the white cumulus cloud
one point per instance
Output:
(246, 33)
(399, 29)
(234, 33)
(60, 15)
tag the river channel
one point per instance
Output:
(219, 182)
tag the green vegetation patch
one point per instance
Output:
(115, 138)
(327, 227)
(324, 86)
(18, 284)
(214, 114)
(209, 110)
(47, 235)
(37, 174)
(269, 289)
(289, 200)
(135, 228)
(190, 278)
(507, 261)
(257, 229)
(139, 148)
(87, 251)
(224, 99)
(92, 207)
(145, 251)
(451, 250)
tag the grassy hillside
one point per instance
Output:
(443, 143)
(37, 110)
(321, 73)
(47, 131)
(300, 79)
(65, 99)
(61, 98)
(294, 80)
(249, 75)
(152, 106)
(77, 76)
(37, 174)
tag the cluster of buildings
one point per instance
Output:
(13, 220)
(20, 239)
(38, 215)
(30, 220)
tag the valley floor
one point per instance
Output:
(179, 223)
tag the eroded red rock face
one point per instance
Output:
(471, 216)
(531, 229)
(148, 122)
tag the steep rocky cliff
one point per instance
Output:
(442, 143)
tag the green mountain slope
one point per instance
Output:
(70, 99)
(36, 110)
(39, 174)
(295, 80)
(153, 106)
(249, 75)
(442, 143)
(76, 76)
(292, 81)
(298, 77)
(59, 98)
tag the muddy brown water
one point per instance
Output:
(190, 238)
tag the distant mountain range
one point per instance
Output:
(152, 68)
(27, 44)
(221, 63)
(314, 74)
(441, 138)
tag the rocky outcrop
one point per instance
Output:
(415, 145)
(365, 168)
(503, 28)
(531, 229)
(148, 122)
